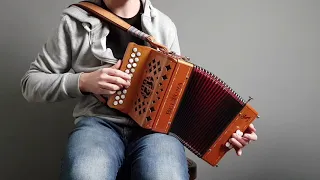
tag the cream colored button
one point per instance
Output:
(239, 133)
(133, 70)
(124, 91)
(117, 98)
(115, 103)
(134, 65)
(228, 144)
(127, 71)
(129, 66)
(120, 102)
(130, 60)
(135, 49)
(119, 92)
(133, 55)
(136, 59)
(138, 54)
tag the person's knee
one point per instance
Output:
(94, 151)
(163, 157)
(93, 165)
(88, 169)
(162, 169)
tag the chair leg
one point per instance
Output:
(192, 168)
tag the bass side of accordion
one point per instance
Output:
(172, 96)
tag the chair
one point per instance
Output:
(192, 169)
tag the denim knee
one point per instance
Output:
(159, 156)
(93, 166)
(95, 151)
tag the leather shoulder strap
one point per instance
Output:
(108, 16)
(104, 14)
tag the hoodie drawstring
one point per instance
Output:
(87, 28)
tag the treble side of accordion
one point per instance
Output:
(172, 96)
(156, 87)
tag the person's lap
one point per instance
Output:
(98, 150)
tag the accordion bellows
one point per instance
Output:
(173, 96)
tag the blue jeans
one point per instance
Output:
(101, 150)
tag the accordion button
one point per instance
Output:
(119, 92)
(124, 91)
(239, 133)
(138, 54)
(228, 144)
(134, 65)
(127, 71)
(123, 96)
(131, 75)
(133, 55)
(135, 49)
(133, 70)
(129, 66)
(120, 102)
(115, 103)
(136, 59)
(117, 98)
(130, 60)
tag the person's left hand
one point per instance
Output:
(239, 139)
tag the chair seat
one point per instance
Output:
(192, 167)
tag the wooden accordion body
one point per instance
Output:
(173, 96)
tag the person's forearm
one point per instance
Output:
(43, 87)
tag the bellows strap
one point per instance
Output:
(108, 16)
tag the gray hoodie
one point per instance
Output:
(79, 45)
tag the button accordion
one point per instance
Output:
(171, 95)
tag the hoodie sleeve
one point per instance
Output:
(48, 78)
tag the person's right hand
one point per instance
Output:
(104, 81)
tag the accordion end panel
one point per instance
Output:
(240, 122)
(173, 97)
(155, 80)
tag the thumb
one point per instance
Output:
(239, 152)
(117, 65)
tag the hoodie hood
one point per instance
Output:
(82, 16)
(98, 31)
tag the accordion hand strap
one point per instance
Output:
(108, 16)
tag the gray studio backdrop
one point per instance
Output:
(267, 49)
